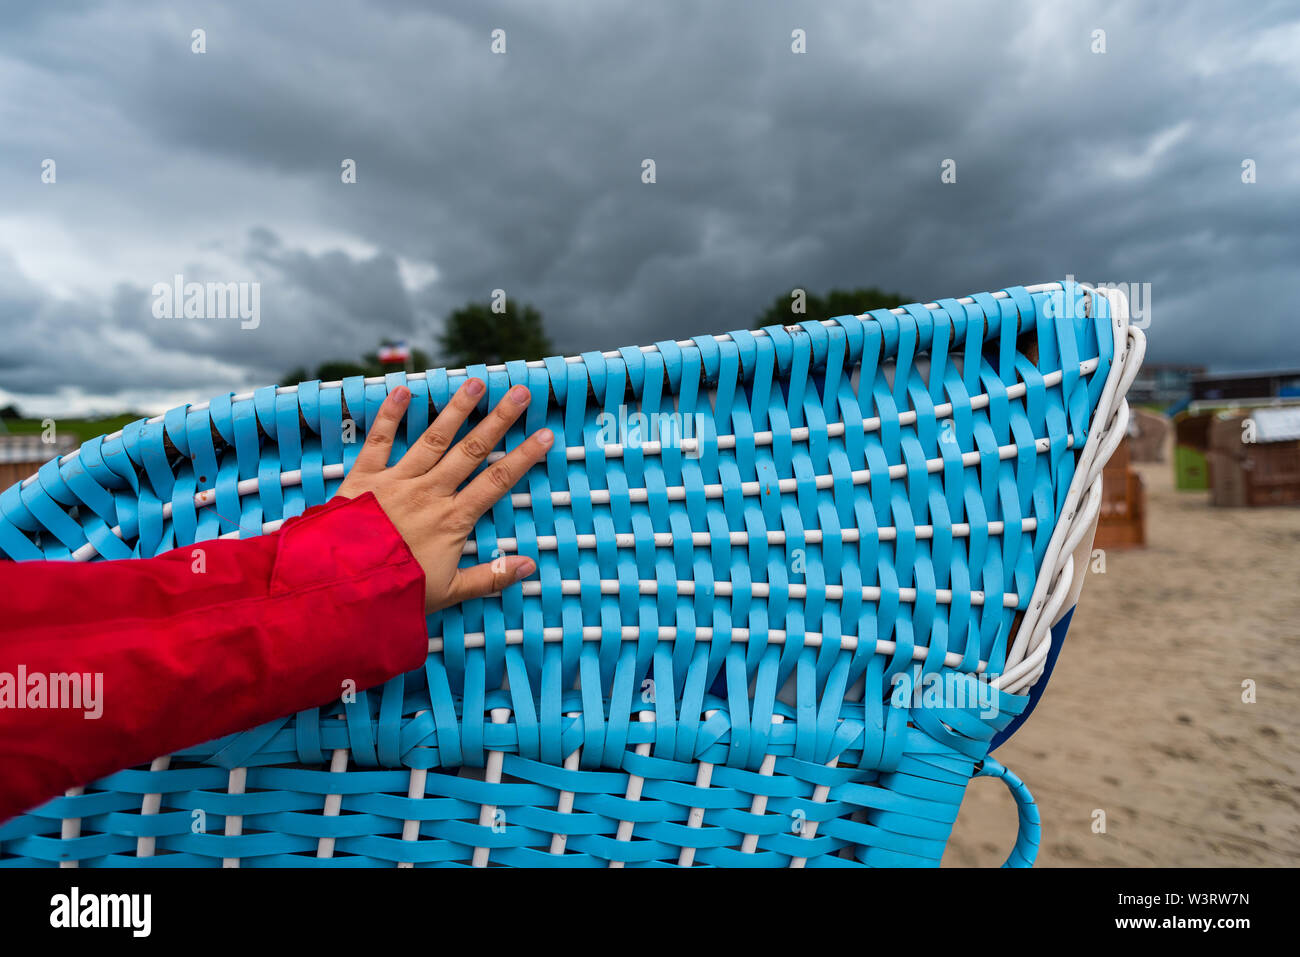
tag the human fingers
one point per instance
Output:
(486, 579)
(501, 476)
(429, 449)
(467, 454)
(378, 446)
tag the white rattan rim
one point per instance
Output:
(1027, 656)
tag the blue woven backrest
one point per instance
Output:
(754, 551)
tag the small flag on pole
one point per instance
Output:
(394, 352)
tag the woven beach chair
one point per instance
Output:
(793, 585)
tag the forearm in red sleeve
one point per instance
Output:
(197, 643)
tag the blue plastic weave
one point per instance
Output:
(869, 502)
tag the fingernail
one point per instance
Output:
(546, 437)
(524, 570)
(475, 386)
(401, 395)
(520, 395)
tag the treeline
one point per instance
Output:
(479, 333)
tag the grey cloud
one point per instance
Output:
(774, 170)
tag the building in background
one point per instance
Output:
(1162, 384)
(22, 455)
(1230, 386)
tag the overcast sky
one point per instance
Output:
(523, 171)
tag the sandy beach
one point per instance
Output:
(1144, 718)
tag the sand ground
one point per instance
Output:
(1144, 718)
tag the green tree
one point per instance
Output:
(474, 334)
(836, 302)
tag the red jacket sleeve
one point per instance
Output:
(200, 642)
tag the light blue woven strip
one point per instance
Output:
(848, 775)
(1030, 833)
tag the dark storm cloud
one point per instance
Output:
(522, 171)
(356, 291)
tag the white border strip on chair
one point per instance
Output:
(70, 828)
(635, 783)
(695, 817)
(236, 782)
(333, 802)
(758, 807)
(738, 539)
(774, 636)
(564, 499)
(808, 830)
(415, 790)
(686, 588)
(1027, 656)
(491, 775)
(564, 800)
(151, 804)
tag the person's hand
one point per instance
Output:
(421, 494)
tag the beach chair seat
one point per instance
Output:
(793, 585)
